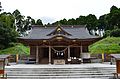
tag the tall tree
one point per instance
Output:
(81, 20)
(63, 22)
(39, 22)
(113, 18)
(0, 7)
(19, 21)
(22, 24)
(7, 19)
(91, 23)
(7, 30)
(113, 8)
(71, 21)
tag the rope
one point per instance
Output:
(59, 51)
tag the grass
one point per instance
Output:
(17, 49)
(106, 45)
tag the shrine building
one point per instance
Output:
(59, 44)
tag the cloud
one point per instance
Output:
(47, 20)
(51, 10)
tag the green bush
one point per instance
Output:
(115, 33)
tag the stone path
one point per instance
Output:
(74, 71)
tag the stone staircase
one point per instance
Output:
(61, 72)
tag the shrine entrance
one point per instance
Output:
(59, 55)
(59, 52)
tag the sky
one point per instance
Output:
(50, 11)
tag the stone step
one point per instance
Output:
(56, 72)
(74, 76)
(63, 70)
(61, 73)
(60, 70)
(66, 70)
(56, 78)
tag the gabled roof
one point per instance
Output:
(58, 31)
(69, 31)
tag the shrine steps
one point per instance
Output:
(61, 73)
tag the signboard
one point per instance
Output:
(59, 61)
(85, 55)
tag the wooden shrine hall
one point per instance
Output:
(60, 44)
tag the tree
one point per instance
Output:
(107, 33)
(91, 23)
(7, 19)
(71, 21)
(32, 21)
(113, 8)
(19, 21)
(7, 30)
(0, 7)
(115, 33)
(81, 20)
(28, 22)
(114, 18)
(22, 24)
(63, 22)
(102, 22)
(105, 22)
(39, 22)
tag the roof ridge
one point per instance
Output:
(47, 26)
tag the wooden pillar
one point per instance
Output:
(49, 54)
(68, 52)
(4, 68)
(37, 55)
(81, 51)
(103, 57)
(16, 58)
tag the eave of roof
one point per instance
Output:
(77, 32)
(4, 56)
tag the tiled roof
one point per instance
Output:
(4, 56)
(117, 56)
(77, 32)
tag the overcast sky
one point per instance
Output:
(53, 10)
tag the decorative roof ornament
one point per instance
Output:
(59, 31)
